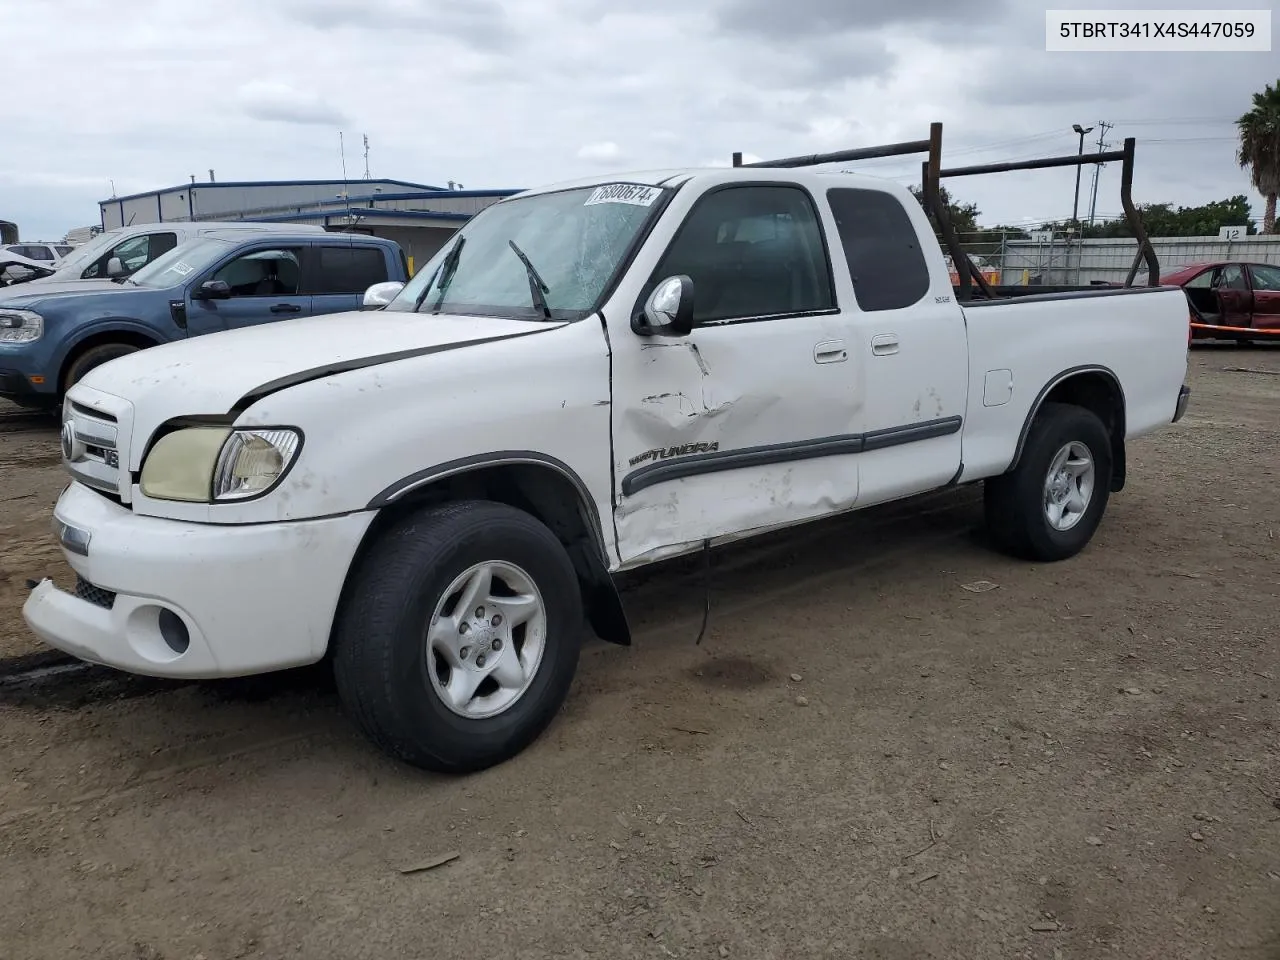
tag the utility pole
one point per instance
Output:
(1097, 167)
(1075, 206)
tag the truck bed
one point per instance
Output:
(1133, 336)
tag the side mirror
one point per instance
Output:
(380, 294)
(669, 309)
(213, 290)
(115, 268)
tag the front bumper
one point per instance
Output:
(168, 598)
(1184, 397)
(15, 386)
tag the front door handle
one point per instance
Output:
(830, 351)
(884, 345)
(286, 308)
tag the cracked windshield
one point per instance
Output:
(564, 245)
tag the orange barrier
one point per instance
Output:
(1253, 331)
(991, 276)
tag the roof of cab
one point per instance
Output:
(288, 232)
(673, 177)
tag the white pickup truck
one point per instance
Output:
(590, 377)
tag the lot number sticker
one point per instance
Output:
(632, 193)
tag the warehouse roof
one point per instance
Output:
(215, 184)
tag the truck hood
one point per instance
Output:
(29, 294)
(225, 373)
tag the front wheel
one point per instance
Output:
(459, 637)
(1050, 505)
(92, 358)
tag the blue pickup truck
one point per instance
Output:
(53, 335)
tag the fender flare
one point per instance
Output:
(1117, 439)
(603, 602)
(98, 327)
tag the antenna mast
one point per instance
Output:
(366, 156)
(346, 191)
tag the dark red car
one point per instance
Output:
(1231, 300)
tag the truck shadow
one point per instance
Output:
(667, 594)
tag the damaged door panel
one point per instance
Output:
(749, 420)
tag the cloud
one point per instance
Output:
(806, 18)
(605, 153)
(530, 92)
(747, 158)
(478, 22)
(280, 103)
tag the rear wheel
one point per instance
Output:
(94, 357)
(1049, 506)
(460, 636)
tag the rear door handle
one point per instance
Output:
(286, 308)
(884, 345)
(830, 351)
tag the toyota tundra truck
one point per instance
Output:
(435, 493)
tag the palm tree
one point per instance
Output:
(1260, 149)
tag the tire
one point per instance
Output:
(94, 357)
(393, 678)
(1018, 512)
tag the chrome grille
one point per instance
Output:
(94, 594)
(91, 447)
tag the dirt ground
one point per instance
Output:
(862, 759)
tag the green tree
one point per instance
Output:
(964, 216)
(976, 240)
(1166, 220)
(1260, 149)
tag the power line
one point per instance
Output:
(1058, 134)
(1103, 127)
(1191, 140)
(1150, 121)
(979, 148)
(904, 172)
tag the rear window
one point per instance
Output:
(349, 269)
(881, 247)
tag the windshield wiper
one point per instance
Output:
(537, 289)
(447, 269)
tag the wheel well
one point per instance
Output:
(1100, 393)
(542, 492)
(132, 338)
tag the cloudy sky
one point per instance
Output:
(514, 94)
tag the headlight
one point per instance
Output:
(20, 326)
(209, 464)
(251, 461)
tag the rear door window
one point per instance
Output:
(881, 247)
(347, 269)
(1266, 278)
